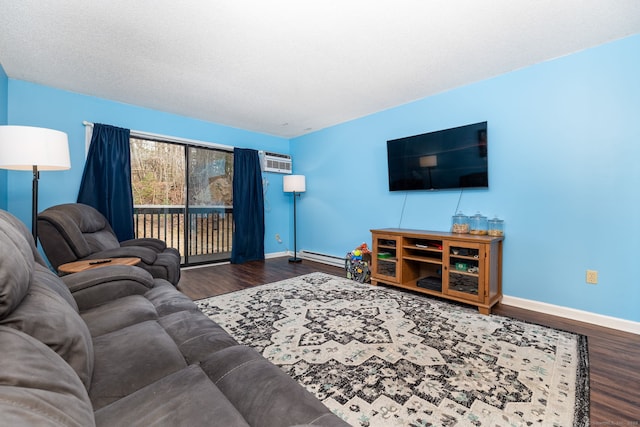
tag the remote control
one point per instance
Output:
(100, 261)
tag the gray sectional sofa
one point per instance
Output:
(115, 347)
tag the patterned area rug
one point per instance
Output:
(382, 357)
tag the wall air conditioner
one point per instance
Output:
(274, 162)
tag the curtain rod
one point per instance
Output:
(166, 138)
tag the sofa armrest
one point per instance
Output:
(146, 242)
(147, 255)
(91, 288)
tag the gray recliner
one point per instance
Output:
(75, 231)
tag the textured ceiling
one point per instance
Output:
(289, 67)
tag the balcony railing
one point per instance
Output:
(206, 235)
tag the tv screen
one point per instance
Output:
(445, 159)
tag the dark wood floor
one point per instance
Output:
(614, 356)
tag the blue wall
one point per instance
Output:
(563, 171)
(36, 105)
(4, 96)
(563, 158)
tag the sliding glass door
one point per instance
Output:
(183, 195)
(209, 205)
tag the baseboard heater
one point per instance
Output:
(323, 258)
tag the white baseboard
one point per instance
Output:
(573, 314)
(277, 254)
(193, 267)
(336, 261)
(311, 256)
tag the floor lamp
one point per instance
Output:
(294, 184)
(35, 149)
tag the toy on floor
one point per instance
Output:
(357, 264)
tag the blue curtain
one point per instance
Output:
(106, 180)
(248, 207)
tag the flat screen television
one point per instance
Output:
(445, 159)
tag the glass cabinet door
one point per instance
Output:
(386, 261)
(465, 268)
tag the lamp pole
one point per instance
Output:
(295, 239)
(34, 204)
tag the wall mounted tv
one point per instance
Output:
(445, 159)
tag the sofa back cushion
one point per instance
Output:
(33, 301)
(82, 228)
(16, 265)
(54, 282)
(37, 387)
(26, 233)
(46, 316)
(16, 268)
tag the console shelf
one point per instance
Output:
(459, 267)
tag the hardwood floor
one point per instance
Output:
(614, 356)
(203, 282)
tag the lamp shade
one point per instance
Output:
(22, 147)
(294, 183)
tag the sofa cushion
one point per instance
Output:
(196, 335)
(16, 267)
(131, 358)
(166, 299)
(46, 316)
(164, 265)
(186, 398)
(26, 233)
(260, 391)
(101, 240)
(37, 387)
(52, 281)
(118, 314)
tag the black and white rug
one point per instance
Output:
(383, 357)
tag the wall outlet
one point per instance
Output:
(278, 239)
(592, 277)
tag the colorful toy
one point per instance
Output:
(357, 263)
(364, 248)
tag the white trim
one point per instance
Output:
(336, 261)
(167, 138)
(573, 314)
(277, 254)
(193, 267)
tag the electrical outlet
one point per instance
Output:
(278, 239)
(592, 277)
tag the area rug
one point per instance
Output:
(383, 357)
